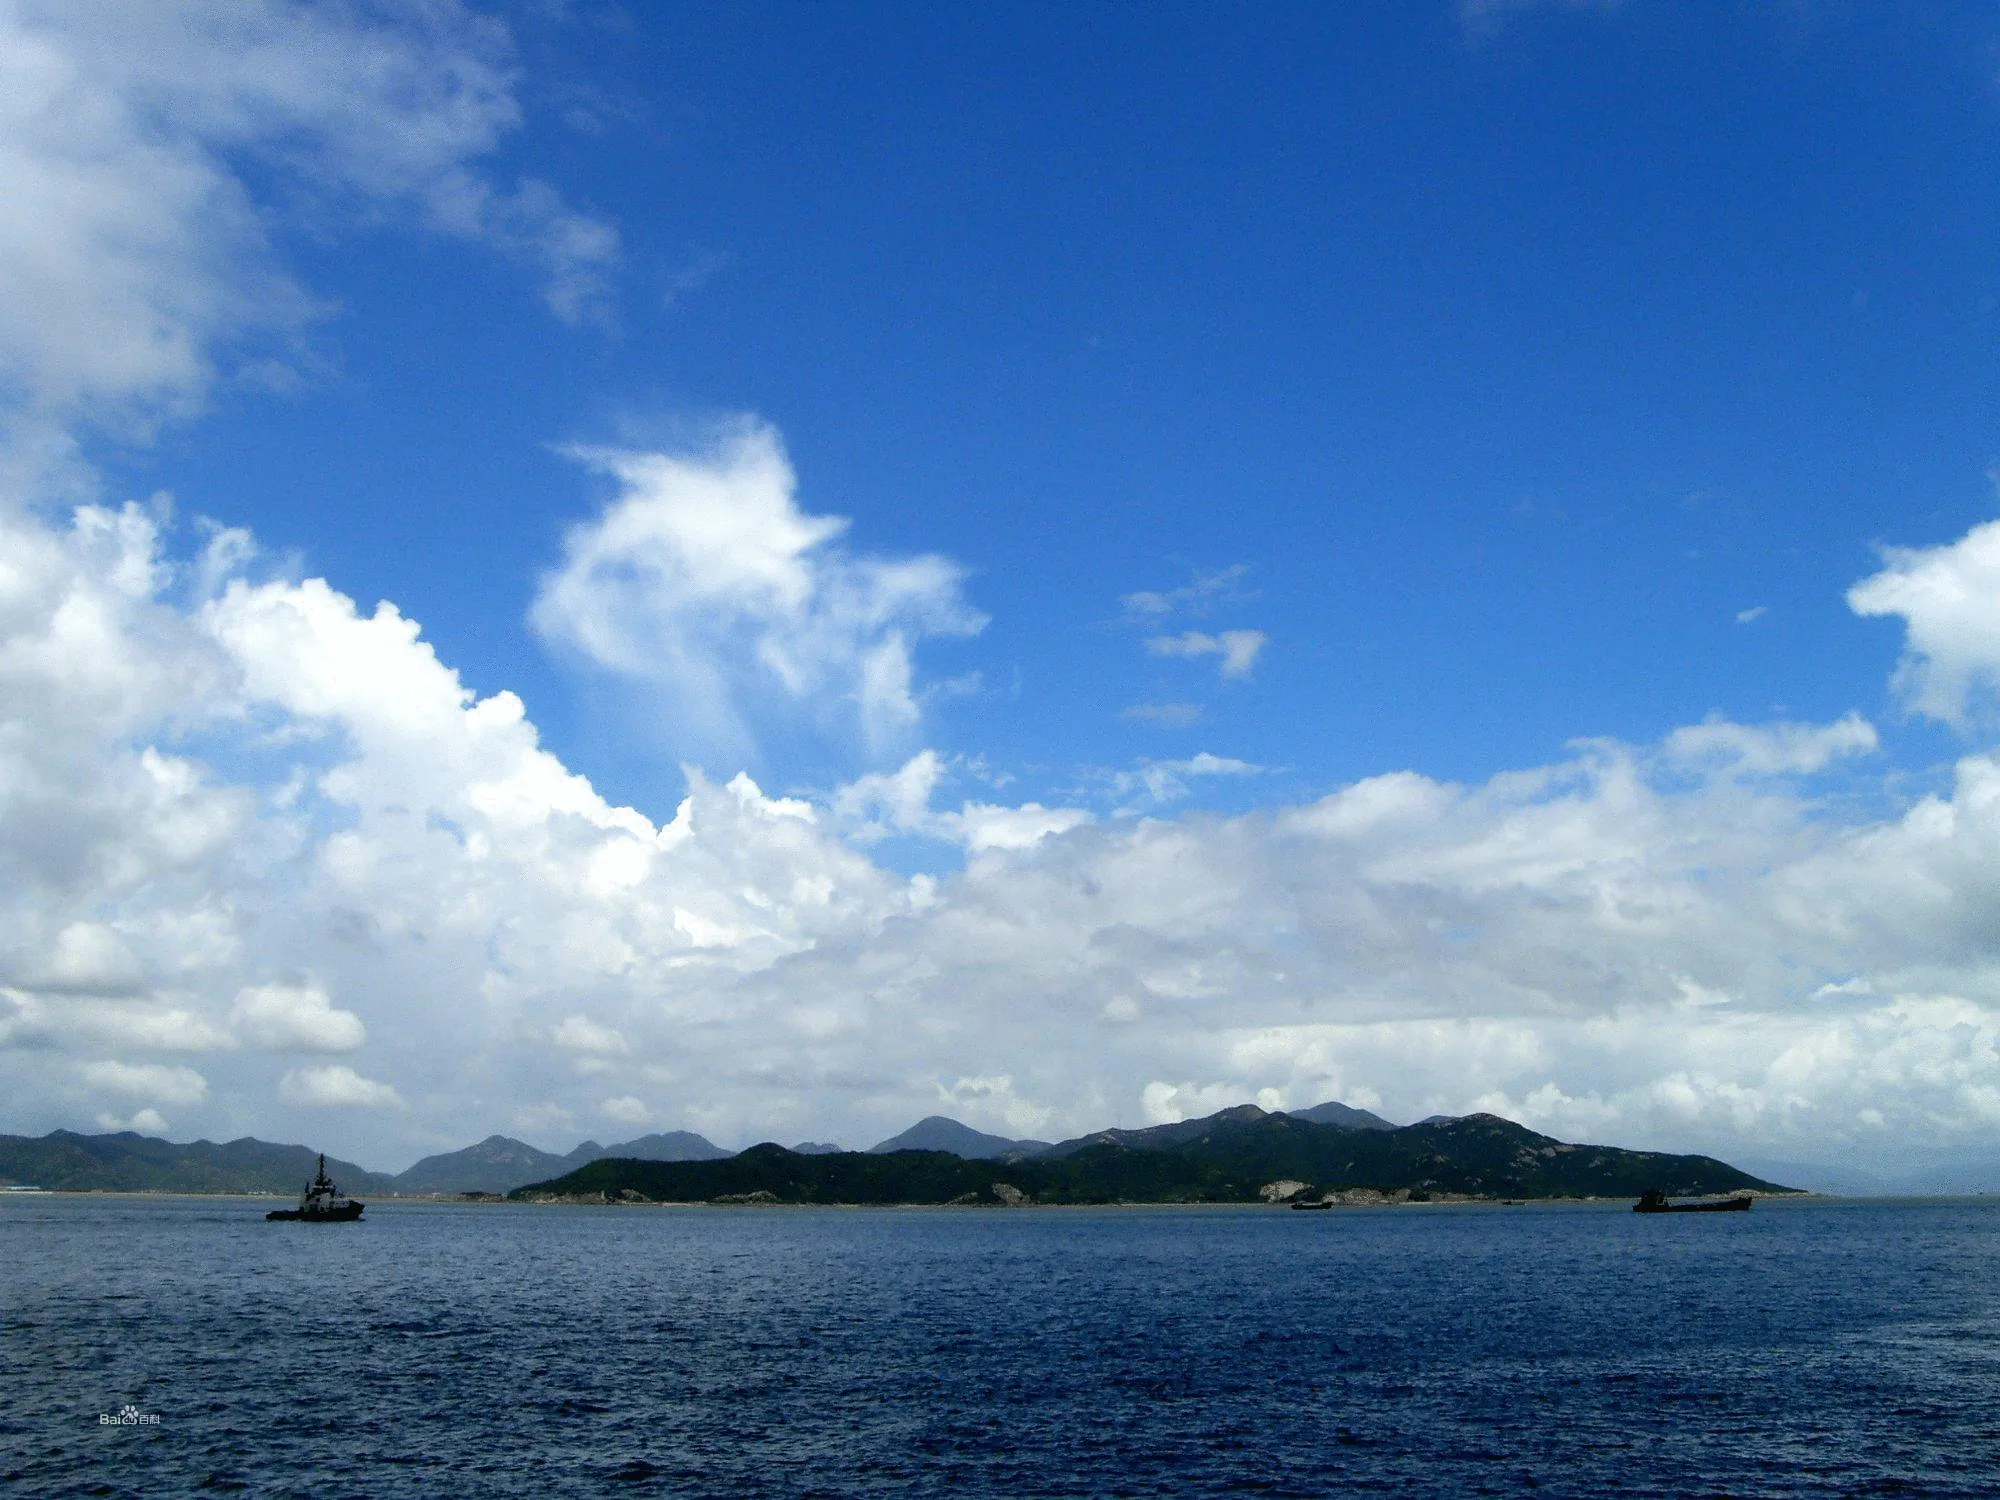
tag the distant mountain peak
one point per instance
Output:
(669, 1145)
(942, 1133)
(1333, 1112)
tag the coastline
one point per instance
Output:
(502, 1201)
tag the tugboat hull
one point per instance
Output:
(345, 1214)
(1656, 1203)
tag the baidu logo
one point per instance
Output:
(129, 1416)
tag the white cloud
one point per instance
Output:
(1197, 596)
(1750, 616)
(581, 1034)
(1949, 600)
(1164, 1103)
(880, 803)
(873, 806)
(705, 577)
(1166, 780)
(992, 1102)
(155, 1083)
(87, 958)
(133, 249)
(1770, 749)
(1634, 940)
(982, 826)
(151, 1024)
(294, 1018)
(336, 1087)
(1238, 649)
(146, 1121)
(627, 1110)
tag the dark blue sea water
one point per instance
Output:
(1802, 1349)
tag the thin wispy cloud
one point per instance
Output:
(1166, 715)
(1200, 594)
(1238, 649)
(141, 257)
(1481, 19)
(1157, 782)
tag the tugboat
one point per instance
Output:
(1653, 1201)
(321, 1203)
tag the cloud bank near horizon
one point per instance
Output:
(266, 859)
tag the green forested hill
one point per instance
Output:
(132, 1163)
(1228, 1159)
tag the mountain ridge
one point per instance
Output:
(500, 1162)
(1331, 1140)
(1240, 1155)
(125, 1161)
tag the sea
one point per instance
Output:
(159, 1346)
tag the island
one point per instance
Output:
(1241, 1155)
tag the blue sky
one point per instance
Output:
(1512, 361)
(1267, 553)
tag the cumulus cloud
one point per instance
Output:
(705, 577)
(879, 804)
(1164, 1103)
(1948, 598)
(133, 248)
(1671, 944)
(993, 1100)
(1668, 945)
(627, 1110)
(1238, 649)
(1770, 749)
(86, 958)
(155, 1083)
(146, 1121)
(295, 1018)
(336, 1087)
(148, 1024)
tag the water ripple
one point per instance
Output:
(1802, 1350)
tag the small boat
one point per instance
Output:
(1653, 1201)
(1310, 1205)
(321, 1203)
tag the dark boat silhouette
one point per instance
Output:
(321, 1203)
(1653, 1201)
